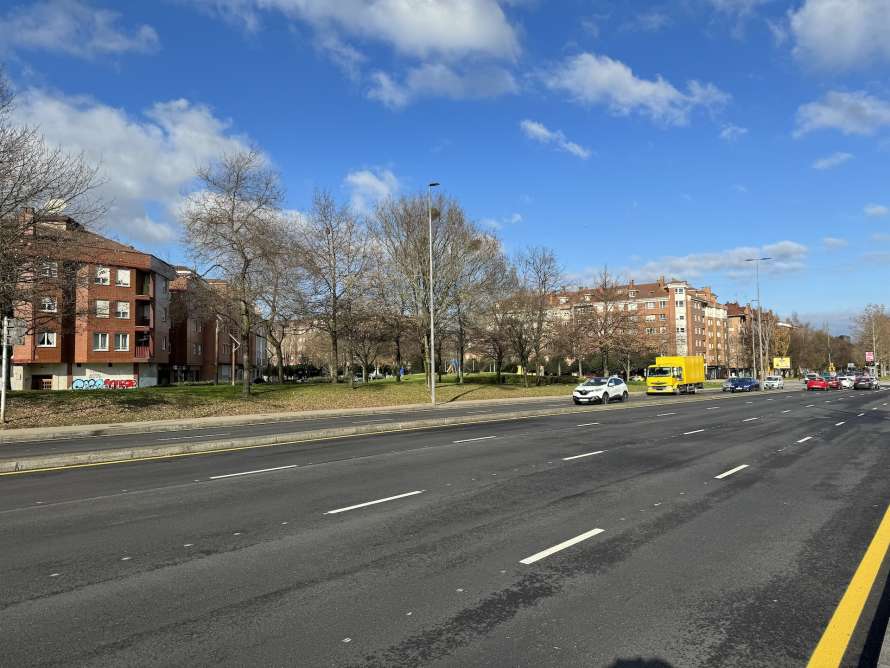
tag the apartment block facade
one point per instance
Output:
(679, 318)
(107, 326)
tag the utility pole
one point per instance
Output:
(4, 372)
(432, 300)
(757, 261)
(753, 350)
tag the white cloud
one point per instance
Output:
(876, 210)
(440, 80)
(369, 186)
(147, 162)
(651, 21)
(833, 243)
(344, 56)
(841, 34)
(73, 27)
(833, 160)
(592, 79)
(732, 132)
(786, 256)
(738, 7)
(540, 133)
(498, 224)
(440, 28)
(851, 113)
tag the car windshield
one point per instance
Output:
(659, 371)
(594, 382)
(773, 378)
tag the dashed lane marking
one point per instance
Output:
(694, 431)
(375, 502)
(805, 439)
(235, 475)
(478, 438)
(728, 473)
(562, 546)
(586, 454)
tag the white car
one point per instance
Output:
(600, 390)
(846, 382)
(774, 383)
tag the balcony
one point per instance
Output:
(142, 352)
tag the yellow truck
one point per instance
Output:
(675, 375)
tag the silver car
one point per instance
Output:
(774, 383)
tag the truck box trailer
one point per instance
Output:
(676, 375)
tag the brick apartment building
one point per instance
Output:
(202, 342)
(683, 319)
(104, 320)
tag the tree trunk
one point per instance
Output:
(498, 361)
(335, 361)
(364, 373)
(460, 357)
(398, 359)
(280, 355)
(245, 349)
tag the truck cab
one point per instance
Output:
(675, 375)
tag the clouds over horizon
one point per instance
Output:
(75, 28)
(146, 161)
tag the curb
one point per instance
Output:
(35, 463)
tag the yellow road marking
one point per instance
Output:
(831, 648)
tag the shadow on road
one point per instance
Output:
(640, 662)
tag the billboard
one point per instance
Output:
(870, 357)
(781, 362)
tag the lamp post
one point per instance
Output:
(757, 261)
(432, 299)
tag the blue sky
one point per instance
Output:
(672, 138)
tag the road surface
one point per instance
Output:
(705, 533)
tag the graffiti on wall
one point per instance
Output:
(102, 384)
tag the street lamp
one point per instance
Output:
(757, 261)
(430, 187)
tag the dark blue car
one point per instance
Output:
(741, 385)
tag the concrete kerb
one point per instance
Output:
(35, 463)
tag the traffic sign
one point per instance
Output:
(870, 357)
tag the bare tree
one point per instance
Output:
(335, 255)
(540, 275)
(230, 226)
(609, 323)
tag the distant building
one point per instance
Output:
(104, 320)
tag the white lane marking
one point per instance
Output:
(860, 415)
(728, 473)
(712, 408)
(874, 409)
(664, 414)
(750, 419)
(769, 399)
(749, 402)
(805, 439)
(828, 401)
(235, 475)
(586, 454)
(181, 438)
(587, 424)
(480, 438)
(694, 431)
(809, 405)
(54, 575)
(126, 558)
(367, 421)
(838, 424)
(374, 503)
(558, 548)
(787, 411)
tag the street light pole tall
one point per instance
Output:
(757, 261)
(432, 299)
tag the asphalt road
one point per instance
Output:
(294, 426)
(707, 533)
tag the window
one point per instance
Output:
(632, 306)
(164, 285)
(164, 343)
(681, 303)
(46, 340)
(650, 330)
(680, 291)
(122, 342)
(632, 294)
(662, 330)
(650, 318)
(49, 269)
(563, 300)
(123, 278)
(663, 303)
(123, 310)
(662, 316)
(198, 348)
(681, 317)
(681, 330)
(100, 341)
(48, 305)
(196, 325)
(103, 276)
(164, 314)
(103, 308)
(650, 304)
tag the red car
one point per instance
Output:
(834, 383)
(817, 384)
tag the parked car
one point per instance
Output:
(744, 384)
(600, 390)
(816, 383)
(866, 383)
(774, 383)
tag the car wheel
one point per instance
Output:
(577, 403)
(605, 398)
(624, 397)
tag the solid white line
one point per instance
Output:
(664, 414)
(480, 438)
(838, 424)
(712, 408)
(180, 438)
(586, 454)
(234, 475)
(696, 431)
(373, 503)
(805, 439)
(809, 405)
(787, 411)
(750, 419)
(557, 548)
(728, 473)
(587, 424)
(860, 415)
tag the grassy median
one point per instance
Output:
(48, 409)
